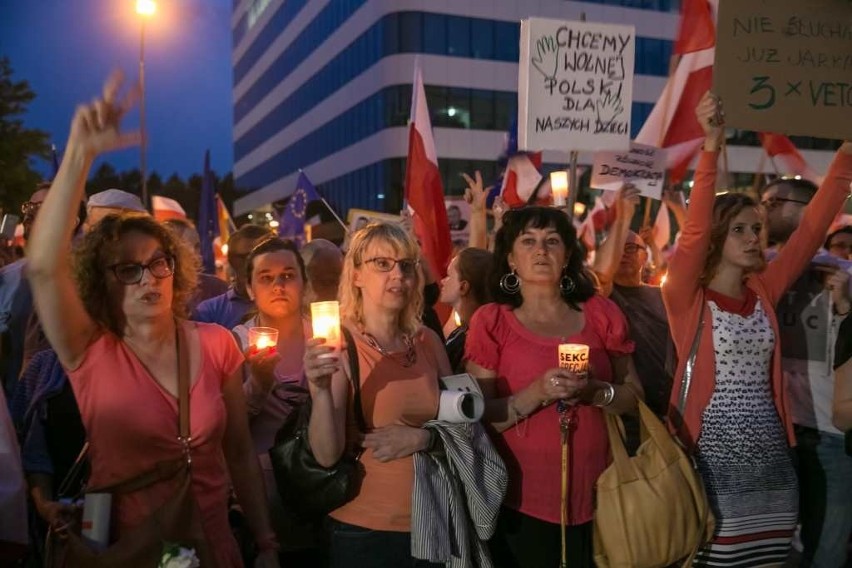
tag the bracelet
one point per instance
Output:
(608, 396)
(519, 418)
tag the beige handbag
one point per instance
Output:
(651, 509)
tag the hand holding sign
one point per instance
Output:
(711, 117)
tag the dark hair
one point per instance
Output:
(274, 244)
(180, 223)
(725, 208)
(799, 186)
(515, 221)
(96, 251)
(475, 266)
(847, 229)
(250, 232)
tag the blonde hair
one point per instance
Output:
(351, 299)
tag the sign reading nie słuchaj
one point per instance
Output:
(786, 66)
(575, 85)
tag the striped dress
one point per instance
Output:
(742, 451)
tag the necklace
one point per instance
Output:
(410, 357)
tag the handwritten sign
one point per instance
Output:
(786, 66)
(643, 166)
(575, 85)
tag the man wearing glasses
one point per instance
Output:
(809, 316)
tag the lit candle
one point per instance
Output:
(263, 337)
(574, 357)
(325, 320)
(559, 188)
(457, 318)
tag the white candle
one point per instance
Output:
(263, 337)
(574, 357)
(325, 320)
(559, 188)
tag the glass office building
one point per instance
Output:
(325, 86)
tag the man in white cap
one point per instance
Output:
(111, 202)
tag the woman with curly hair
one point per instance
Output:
(117, 325)
(545, 298)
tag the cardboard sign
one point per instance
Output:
(575, 85)
(458, 216)
(643, 166)
(786, 66)
(359, 218)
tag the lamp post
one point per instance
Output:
(146, 9)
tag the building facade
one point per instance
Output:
(325, 86)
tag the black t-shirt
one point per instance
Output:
(455, 348)
(649, 329)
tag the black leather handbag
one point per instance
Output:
(308, 489)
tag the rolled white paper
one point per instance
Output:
(457, 407)
(96, 517)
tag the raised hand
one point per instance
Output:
(262, 363)
(626, 201)
(475, 193)
(711, 117)
(95, 128)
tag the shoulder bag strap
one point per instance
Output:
(686, 381)
(355, 378)
(167, 469)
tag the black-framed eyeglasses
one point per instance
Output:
(632, 248)
(131, 272)
(773, 201)
(408, 266)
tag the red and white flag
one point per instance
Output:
(165, 208)
(424, 190)
(662, 227)
(672, 124)
(520, 180)
(786, 157)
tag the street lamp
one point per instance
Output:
(146, 9)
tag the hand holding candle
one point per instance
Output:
(574, 357)
(325, 320)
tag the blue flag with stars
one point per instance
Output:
(292, 223)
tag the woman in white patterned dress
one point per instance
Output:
(720, 297)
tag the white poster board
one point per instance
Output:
(643, 166)
(575, 85)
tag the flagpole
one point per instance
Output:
(334, 213)
(572, 172)
(667, 102)
(759, 173)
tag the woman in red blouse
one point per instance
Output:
(544, 299)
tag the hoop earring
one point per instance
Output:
(510, 283)
(567, 285)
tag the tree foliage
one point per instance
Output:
(19, 145)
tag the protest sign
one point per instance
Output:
(785, 66)
(643, 166)
(458, 217)
(575, 85)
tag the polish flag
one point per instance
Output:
(521, 178)
(672, 124)
(596, 221)
(662, 227)
(791, 160)
(424, 191)
(165, 208)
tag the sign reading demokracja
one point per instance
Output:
(575, 85)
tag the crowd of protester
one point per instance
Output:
(744, 352)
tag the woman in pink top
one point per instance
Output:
(732, 410)
(400, 362)
(114, 330)
(544, 299)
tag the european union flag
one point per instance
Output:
(292, 222)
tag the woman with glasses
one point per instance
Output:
(543, 299)
(115, 316)
(729, 401)
(381, 299)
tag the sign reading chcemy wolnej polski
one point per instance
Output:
(786, 66)
(575, 85)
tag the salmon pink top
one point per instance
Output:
(532, 450)
(132, 423)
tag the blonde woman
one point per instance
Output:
(381, 295)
